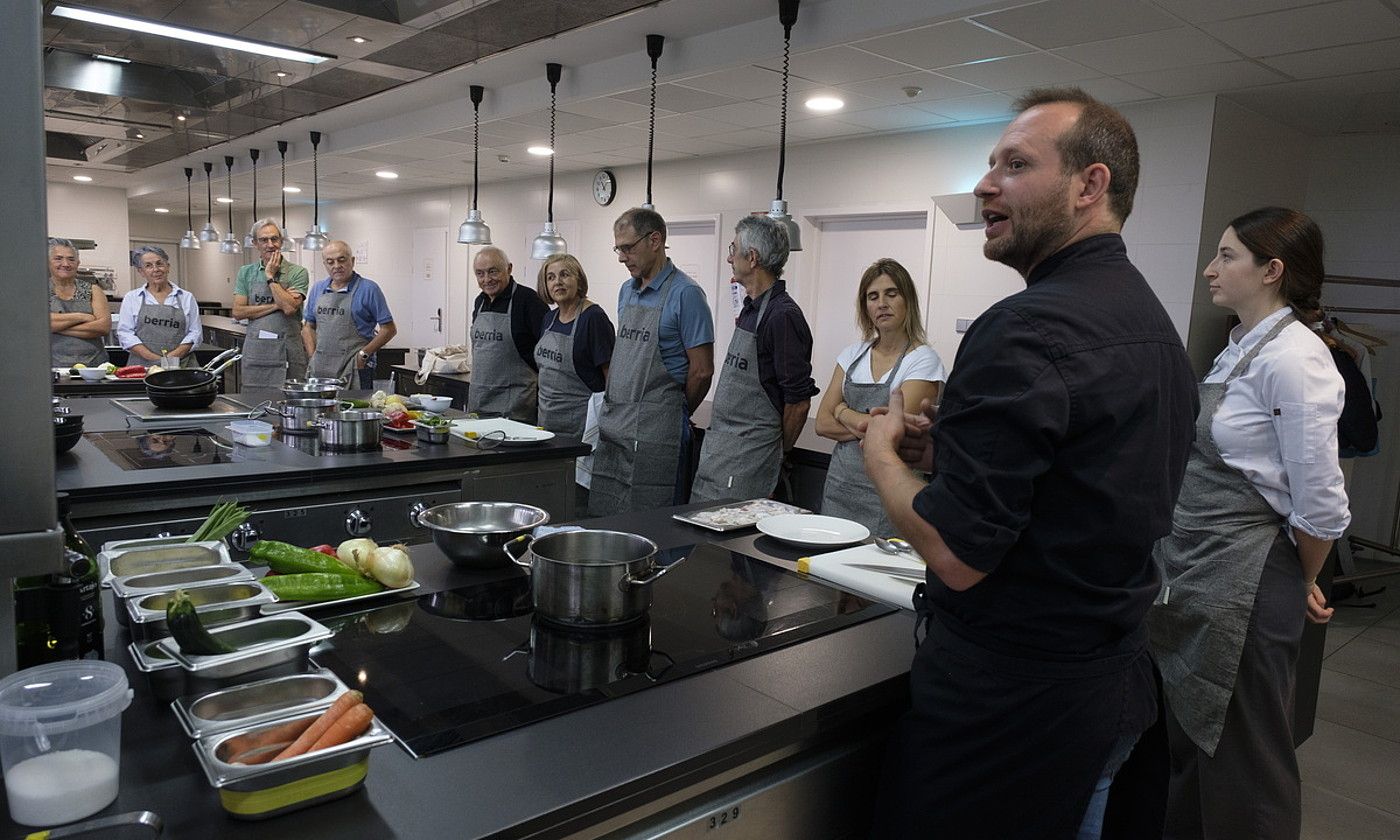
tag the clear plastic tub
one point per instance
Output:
(251, 432)
(60, 739)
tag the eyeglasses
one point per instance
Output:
(624, 250)
(733, 250)
(268, 240)
(156, 264)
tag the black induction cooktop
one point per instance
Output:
(155, 449)
(457, 666)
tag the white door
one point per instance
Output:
(843, 249)
(693, 245)
(426, 323)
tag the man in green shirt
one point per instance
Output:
(269, 295)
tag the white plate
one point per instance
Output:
(303, 606)
(810, 530)
(515, 433)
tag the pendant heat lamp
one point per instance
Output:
(210, 233)
(474, 231)
(289, 243)
(315, 240)
(248, 242)
(654, 45)
(549, 242)
(189, 240)
(230, 243)
(778, 212)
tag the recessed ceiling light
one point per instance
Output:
(180, 117)
(180, 33)
(291, 189)
(115, 59)
(162, 210)
(140, 136)
(359, 39)
(540, 151)
(83, 178)
(222, 200)
(281, 74)
(825, 104)
(386, 174)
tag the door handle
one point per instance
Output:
(437, 318)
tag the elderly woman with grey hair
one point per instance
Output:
(158, 322)
(765, 385)
(79, 318)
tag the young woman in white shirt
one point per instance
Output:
(1261, 504)
(893, 353)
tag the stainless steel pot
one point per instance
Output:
(471, 534)
(352, 430)
(589, 578)
(312, 389)
(296, 416)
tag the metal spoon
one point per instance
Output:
(893, 545)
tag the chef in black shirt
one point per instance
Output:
(1059, 448)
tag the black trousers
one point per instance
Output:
(1250, 788)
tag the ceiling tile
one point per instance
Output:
(295, 24)
(564, 122)
(1335, 61)
(1064, 22)
(890, 90)
(430, 52)
(609, 109)
(797, 104)
(1179, 47)
(1201, 11)
(676, 98)
(380, 34)
(1204, 78)
(621, 136)
(748, 138)
(506, 130)
(1020, 71)
(696, 145)
(956, 42)
(743, 114)
(1313, 27)
(894, 118)
(748, 81)
(691, 125)
(345, 84)
(838, 65)
(216, 15)
(986, 106)
(826, 128)
(388, 71)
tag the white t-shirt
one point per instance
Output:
(921, 363)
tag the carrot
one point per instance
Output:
(347, 727)
(303, 743)
(261, 747)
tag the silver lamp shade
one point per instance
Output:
(779, 213)
(189, 241)
(474, 231)
(548, 243)
(314, 240)
(230, 245)
(209, 233)
(289, 244)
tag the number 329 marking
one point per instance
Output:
(723, 818)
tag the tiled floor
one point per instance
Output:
(1351, 764)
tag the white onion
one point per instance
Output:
(356, 553)
(390, 566)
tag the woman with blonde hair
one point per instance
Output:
(893, 353)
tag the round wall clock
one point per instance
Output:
(604, 187)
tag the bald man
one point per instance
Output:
(507, 321)
(346, 318)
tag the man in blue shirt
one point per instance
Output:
(345, 314)
(661, 369)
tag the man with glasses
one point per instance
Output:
(661, 369)
(269, 294)
(347, 318)
(507, 321)
(159, 321)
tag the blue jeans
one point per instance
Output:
(1092, 827)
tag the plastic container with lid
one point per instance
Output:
(251, 432)
(60, 739)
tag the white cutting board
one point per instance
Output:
(835, 567)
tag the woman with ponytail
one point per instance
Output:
(1259, 509)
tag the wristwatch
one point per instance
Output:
(364, 355)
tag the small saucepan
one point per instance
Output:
(297, 416)
(352, 430)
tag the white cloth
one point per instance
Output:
(921, 363)
(1277, 424)
(131, 308)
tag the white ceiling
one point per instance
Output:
(1324, 68)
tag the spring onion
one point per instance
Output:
(223, 519)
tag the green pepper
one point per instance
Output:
(285, 558)
(319, 586)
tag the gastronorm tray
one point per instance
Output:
(732, 516)
(216, 605)
(249, 704)
(160, 555)
(141, 410)
(146, 583)
(289, 606)
(261, 642)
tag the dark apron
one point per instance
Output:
(67, 350)
(563, 395)
(849, 493)
(639, 428)
(160, 327)
(743, 448)
(1211, 563)
(337, 338)
(501, 382)
(268, 362)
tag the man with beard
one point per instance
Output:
(1058, 451)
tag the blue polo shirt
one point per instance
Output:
(368, 308)
(686, 321)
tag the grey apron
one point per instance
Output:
(563, 394)
(639, 428)
(337, 339)
(849, 492)
(1211, 563)
(160, 327)
(268, 361)
(501, 382)
(743, 447)
(67, 350)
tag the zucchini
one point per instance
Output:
(319, 586)
(189, 631)
(288, 559)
